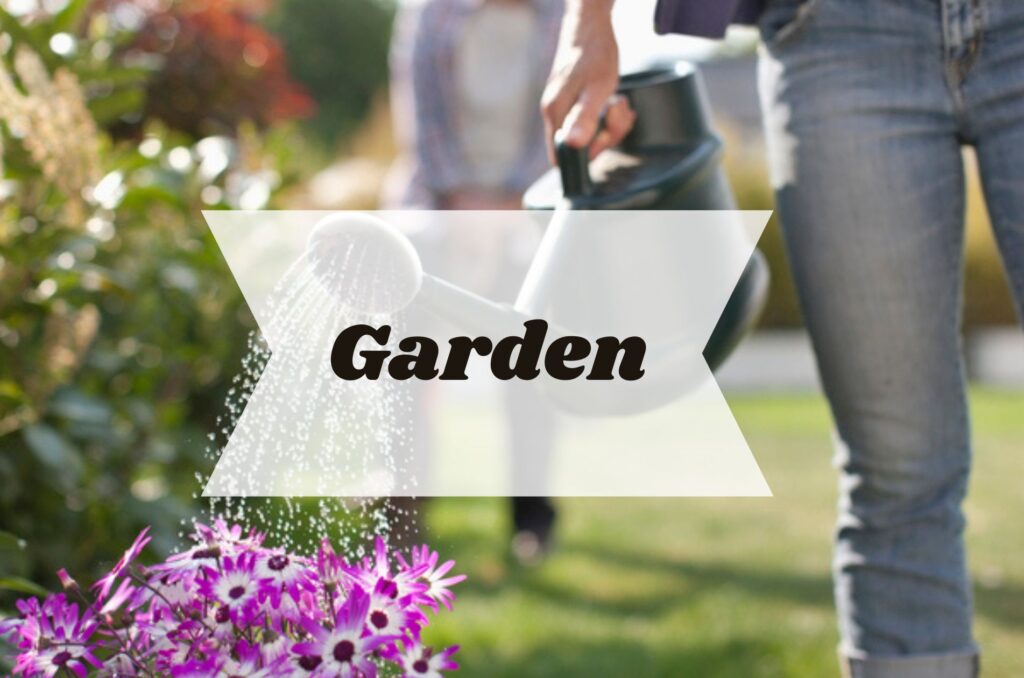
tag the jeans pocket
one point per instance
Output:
(782, 21)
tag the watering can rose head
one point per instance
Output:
(364, 262)
(232, 606)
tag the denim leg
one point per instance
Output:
(865, 158)
(994, 99)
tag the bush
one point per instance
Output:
(122, 326)
(217, 68)
(339, 52)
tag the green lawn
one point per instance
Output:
(720, 587)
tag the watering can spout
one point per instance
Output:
(371, 268)
(467, 310)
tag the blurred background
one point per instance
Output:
(122, 333)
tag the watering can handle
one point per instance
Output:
(573, 165)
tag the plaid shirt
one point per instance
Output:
(424, 96)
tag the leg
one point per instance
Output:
(867, 169)
(534, 514)
(531, 425)
(994, 94)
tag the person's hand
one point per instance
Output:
(583, 81)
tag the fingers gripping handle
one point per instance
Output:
(573, 165)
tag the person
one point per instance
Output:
(466, 76)
(866, 106)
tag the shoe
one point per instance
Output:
(533, 519)
(529, 548)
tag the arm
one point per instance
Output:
(423, 91)
(583, 81)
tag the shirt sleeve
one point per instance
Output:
(534, 160)
(693, 17)
(423, 94)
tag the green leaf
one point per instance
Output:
(13, 555)
(11, 389)
(54, 451)
(22, 585)
(124, 76)
(74, 405)
(68, 18)
(143, 197)
(11, 24)
(120, 102)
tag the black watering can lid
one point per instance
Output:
(671, 138)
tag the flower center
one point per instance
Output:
(344, 651)
(62, 658)
(420, 666)
(378, 619)
(278, 563)
(309, 662)
(236, 592)
(222, 615)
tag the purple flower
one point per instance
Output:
(188, 564)
(231, 607)
(330, 567)
(125, 592)
(197, 668)
(346, 648)
(104, 585)
(369, 573)
(419, 661)
(253, 662)
(438, 586)
(392, 616)
(235, 587)
(284, 573)
(230, 536)
(54, 638)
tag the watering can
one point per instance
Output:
(669, 161)
(593, 274)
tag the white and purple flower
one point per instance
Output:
(344, 649)
(231, 607)
(419, 661)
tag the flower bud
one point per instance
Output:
(67, 582)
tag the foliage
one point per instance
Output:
(339, 52)
(232, 606)
(121, 326)
(217, 67)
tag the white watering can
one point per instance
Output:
(594, 276)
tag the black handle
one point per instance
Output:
(573, 165)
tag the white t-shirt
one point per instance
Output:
(495, 68)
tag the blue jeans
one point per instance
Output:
(867, 104)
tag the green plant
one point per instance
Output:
(121, 328)
(339, 52)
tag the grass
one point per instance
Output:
(715, 587)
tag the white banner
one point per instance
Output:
(487, 353)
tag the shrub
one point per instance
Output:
(122, 327)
